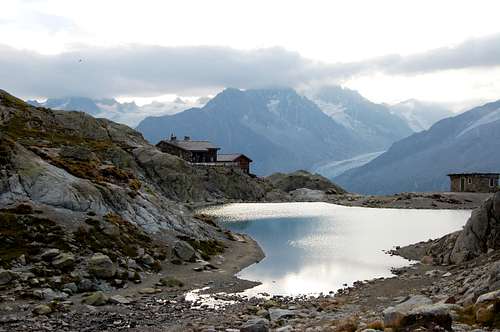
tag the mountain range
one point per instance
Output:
(282, 130)
(279, 129)
(374, 123)
(126, 113)
(469, 142)
(329, 130)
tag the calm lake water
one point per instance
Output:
(318, 247)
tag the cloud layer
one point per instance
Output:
(140, 70)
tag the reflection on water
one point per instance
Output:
(202, 301)
(318, 247)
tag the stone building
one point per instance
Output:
(474, 182)
(203, 153)
(189, 150)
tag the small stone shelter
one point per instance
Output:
(474, 182)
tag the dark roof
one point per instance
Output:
(190, 145)
(474, 174)
(226, 157)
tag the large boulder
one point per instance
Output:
(184, 251)
(418, 311)
(255, 325)
(95, 299)
(487, 308)
(277, 314)
(42, 309)
(393, 316)
(6, 276)
(101, 266)
(494, 277)
(481, 233)
(64, 261)
(50, 254)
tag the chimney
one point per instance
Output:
(187, 138)
(173, 138)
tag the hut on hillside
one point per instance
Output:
(203, 153)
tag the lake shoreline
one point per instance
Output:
(410, 200)
(167, 309)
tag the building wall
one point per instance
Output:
(168, 148)
(244, 164)
(212, 155)
(209, 156)
(473, 183)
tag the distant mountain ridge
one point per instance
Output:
(126, 113)
(279, 129)
(420, 115)
(469, 142)
(374, 123)
(279, 124)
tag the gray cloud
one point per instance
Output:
(140, 70)
(473, 53)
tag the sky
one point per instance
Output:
(442, 51)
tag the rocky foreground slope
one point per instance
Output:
(87, 204)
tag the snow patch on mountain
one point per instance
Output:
(126, 113)
(272, 106)
(338, 167)
(488, 118)
(336, 112)
(420, 115)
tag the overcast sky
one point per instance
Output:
(443, 51)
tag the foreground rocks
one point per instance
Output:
(88, 205)
(420, 298)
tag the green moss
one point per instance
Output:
(19, 231)
(156, 266)
(207, 248)
(6, 150)
(467, 316)
(171, 282)
(116, 173)
(134, 184)
(19, 209)
(84, 170)
(210, 220)
(125, 243)
(27, 128)
(11, 101)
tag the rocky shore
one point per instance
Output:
(461, 293)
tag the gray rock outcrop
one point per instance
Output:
(481, 233)
(303, 179)
(72, 185)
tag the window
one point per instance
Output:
(469, 180)
(492, 182)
